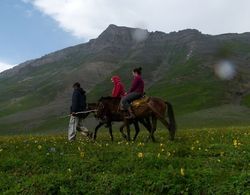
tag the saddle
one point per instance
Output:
(136, 103)
(140, 102)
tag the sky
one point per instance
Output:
(32, 28)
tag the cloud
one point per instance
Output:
(88, 18)
(4, 66)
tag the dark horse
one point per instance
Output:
(155, 108)
(108, 112)
(108, 116)
(105, 120)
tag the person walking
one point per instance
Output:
(76, 118)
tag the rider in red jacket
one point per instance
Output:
(118, 90)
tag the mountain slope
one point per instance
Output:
(178, 67)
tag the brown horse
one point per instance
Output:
(108, 111)
(154, 108)
(157, 109)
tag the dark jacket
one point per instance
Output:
(78, 100)
(137, 85)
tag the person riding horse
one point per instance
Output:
(118, 89)
(136, 91)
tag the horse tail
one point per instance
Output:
(172, 123)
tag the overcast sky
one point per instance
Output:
(32, 28)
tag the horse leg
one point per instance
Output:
(172, 123)
(128, 131)
(154, 124)
(163, 120)
(110, 131)
(166, 124)
(151, 129)
(121, 130)
(96, 129)
(147, 125)
(137, 130)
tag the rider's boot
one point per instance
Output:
(131, 114)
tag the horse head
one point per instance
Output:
(106, 106)
(101, 109)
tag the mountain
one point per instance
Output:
(179, 67)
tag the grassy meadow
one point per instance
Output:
(199, 161)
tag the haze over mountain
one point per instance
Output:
(187, 68)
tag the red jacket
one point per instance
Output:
(137, 85)
(118, 90)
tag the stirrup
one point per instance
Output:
(130, 116)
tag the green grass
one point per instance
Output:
(222, 116)
(199, 161)
(246, 100)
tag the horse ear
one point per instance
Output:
(100, 98)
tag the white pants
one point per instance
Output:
(76, 124)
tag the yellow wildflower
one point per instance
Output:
(182, 172)
(39, 147)
(236, 143)
(141, 144)
(82, 154)
(140, 155)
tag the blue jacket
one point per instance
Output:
(78, 101)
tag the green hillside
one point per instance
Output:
(178, 67)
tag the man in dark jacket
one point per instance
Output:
(76, 118)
